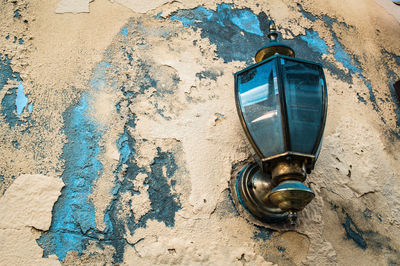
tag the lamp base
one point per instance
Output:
(264, 203)
(252, 189)
(244, 212)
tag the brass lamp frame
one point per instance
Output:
(271, 189)
(265, 162)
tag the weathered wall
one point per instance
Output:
(119, 132)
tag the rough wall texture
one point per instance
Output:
(119, 132)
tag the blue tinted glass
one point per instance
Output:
(260, 105)
(304, 89)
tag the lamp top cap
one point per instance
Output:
(273, 47)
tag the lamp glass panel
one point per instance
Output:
(259, 101)
(304, 93)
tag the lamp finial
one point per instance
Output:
(273, 47)
(272, 34)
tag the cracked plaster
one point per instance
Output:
(169, 128)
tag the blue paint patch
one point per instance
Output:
(185, 21)
(127, 54)
(226, 207)
(342, 57)
(21, 100)
(372, 97)
(306, 14)
(6, 73)
(208, 74)
(15, 144)
(379, 217)
(315, 42)
(20, 41)
(8, 103)
(315, 48)
(334, 206)
(30, 108)
(376, 242)
(8, 37)
(73, 220)
(207, 13)
(227, 26)
(281, 249)
(263, 233)
(364, 239)
(244, 19)
(361, 99)
(73, 223)
(99, 76)
(2, 189)
(124, 31)
(17, 14)
(161, 112)
(248, 22)
(393, 77)
(118, 107)
(164, 203)
(219, 115)
(8, 108)
(352, 65)
(125, 147)
(367, 213)
(222, 13)
(158, 15)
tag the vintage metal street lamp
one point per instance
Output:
(282, 105)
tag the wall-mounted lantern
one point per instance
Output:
(282, 105)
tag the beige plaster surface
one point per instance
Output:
(142, 6)
(25, 212)
(73, 6)
(357, 173)
(391, 8)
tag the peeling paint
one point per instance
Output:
(142, 6)
(247, 21)
(316, 43)
(73, 216)
(342, 57)
(226, 26)
(141, 126)
(73, 223)
(353, 233)
(73, 6)
(263, 233)
(17, 13)
(14, 99)
(124, 31)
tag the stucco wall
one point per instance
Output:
(119, 132)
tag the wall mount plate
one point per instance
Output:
(282, 225)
